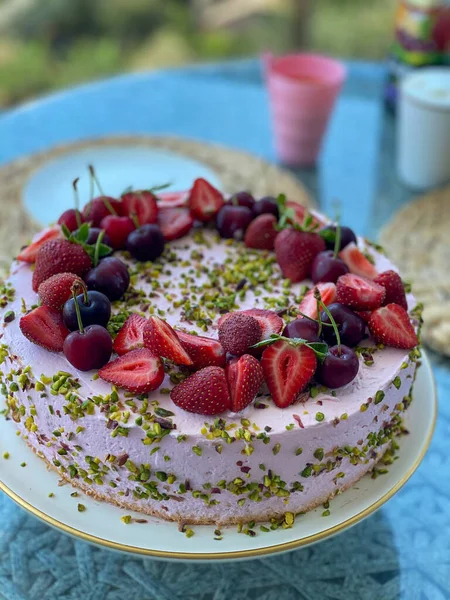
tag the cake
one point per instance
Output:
(162, 438)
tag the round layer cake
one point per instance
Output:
(144, 452)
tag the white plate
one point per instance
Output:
(116, 168)
(101, 524)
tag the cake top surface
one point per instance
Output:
(199, 278)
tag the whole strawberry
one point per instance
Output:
(295, 251)
(60, 256)
(205, 392)
(57, 289)
(395, 290)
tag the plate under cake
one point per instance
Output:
(147, 454)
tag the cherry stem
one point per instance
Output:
(333, 323)
(135, 220)
(319, 321)
(77, 201)
(106, 202)
(82, 286)
(77, 307)
(101, 235)
(337, 240)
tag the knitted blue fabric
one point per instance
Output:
(403, 551)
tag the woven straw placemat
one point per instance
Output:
(418, 241)
(237, 170)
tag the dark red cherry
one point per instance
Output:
(347, 236)
(302, 328)
(268, 204)
(95, 309)
(110, 276)
(232, 221)
(339, 368)
(90, 349)
(242, 199)
(326, 268)
(351, 327)
(146, 243)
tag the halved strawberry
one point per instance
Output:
(138, 371)
(172, 199)
(29, 253)
(300, 211)
(391, 325)
(358, 292)
(244, 376)
(287, 371)
(395, 290)
(308, 306)
(357, 262)
(45, 327)
(142, 204)
(205, 392)
(203, 351)
(261, 232)
(295, 251)
(57, 289)
(131, 335)
(174, 223)
(163, 341)
(204, 201)
(268, 320)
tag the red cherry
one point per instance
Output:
(71, 218)
(117, 229)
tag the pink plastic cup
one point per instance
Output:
(302, 92)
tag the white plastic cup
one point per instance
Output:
(423, 128)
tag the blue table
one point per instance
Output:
(403, 551)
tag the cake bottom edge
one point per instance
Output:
(194, 520)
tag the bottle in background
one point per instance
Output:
(422, 38)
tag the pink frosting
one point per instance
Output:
(291, 428)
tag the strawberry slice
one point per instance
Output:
(204, 200)
(138, 371)
(174, 223)
(203, 351)
(163, 341)
(395, 290)
(29, 253)
(131, 335)
(308, 306)
(244, 376)
(45, 327)
(287, 371)
(391, 325)
(300, 211)
(358, 292)
(172, 199)
(261, 232)
(142, 204)
(357, 262)
(268, 320)
(205, 392)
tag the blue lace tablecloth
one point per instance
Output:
(403, 551)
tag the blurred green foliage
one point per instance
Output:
(56, 43)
